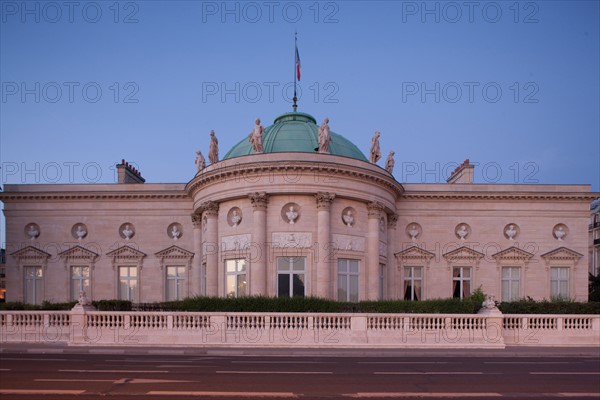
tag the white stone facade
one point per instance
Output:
(416, 241)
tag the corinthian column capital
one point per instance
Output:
(324, 199)
(259, 200)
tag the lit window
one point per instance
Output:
(33, 284)
(461, 280)
(175, 283)
(235, 277)
(413, 279)
(128, 281)
(559, 282)
(348, 273)
(511, 282)
(80, 281)
(291, 276)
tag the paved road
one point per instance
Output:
(181, 376)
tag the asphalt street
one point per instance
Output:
(25, 375)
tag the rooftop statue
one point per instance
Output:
(375, 151)
(324, 136)
(389, 162)
(255, 137)
(213, 152)
(200, 161)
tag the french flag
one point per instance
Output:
(297, 63)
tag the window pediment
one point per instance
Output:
(562, 254)
(31, 254)
(78, 253)
(414, 253)
(175, 253)
(126, 254)
(463, 254)
(512, 254)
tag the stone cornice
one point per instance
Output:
(91, 196)
(495, 196)
(270, 167)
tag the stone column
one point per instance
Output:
(196, 273)
(391, 269)
(323, 271)
(375, 210)
(210, 212)
(258, 265)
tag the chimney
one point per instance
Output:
(126, 173)
(462, 174)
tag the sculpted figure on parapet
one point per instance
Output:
(389, 162)
(324, 136)
(200, 161)
(255, 137)
(375, 150)
(213, 151)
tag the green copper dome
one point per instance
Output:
(296, 133)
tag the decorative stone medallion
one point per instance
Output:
(290, 213)
(511, 231)
(127, 231)
(175, 231)
(560, 232)
(462, 231)
(32, 231)
(234, 217)
(413, 230)
(79, 231)
(349, 216)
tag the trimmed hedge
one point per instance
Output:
(101, 305)
(530, 306)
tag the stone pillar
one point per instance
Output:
(258, 265)
(391, 268)
(210, 212)
(323, 269)
(375, 210)
(195, 287)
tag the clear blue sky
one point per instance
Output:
(513, 86)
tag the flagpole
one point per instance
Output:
(295, 106)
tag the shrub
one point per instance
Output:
(594, 293)
(530, 306)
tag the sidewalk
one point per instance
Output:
(59, 348)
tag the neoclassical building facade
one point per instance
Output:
(293, 221)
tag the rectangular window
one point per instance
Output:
(511, 283)
(33, 284)
(235, 277)
(348, 273)
(413, 279)
(175, 283)
(128, 281)
(291, 276)
(559, 282)
(461, 281)
(80, 281)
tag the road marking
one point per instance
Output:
(117, 371)
(183, 366)
(408, 362)
(147, 381)
(37, 359)
(530, 362)
(73, 380)
(134, 360)
(277, 372)
(596, 395)
(223, 394)
(427, 373)
(420, 394)
(564, 373)
(47, 391)
(279, 362)
(5, 369)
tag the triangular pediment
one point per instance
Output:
(463, 254)
(513, 254)
(126, 253)
(562, 253)
(414, 253)
(78, 252)
(174, 252)
(30, 253)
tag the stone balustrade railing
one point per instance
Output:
(87, 327)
